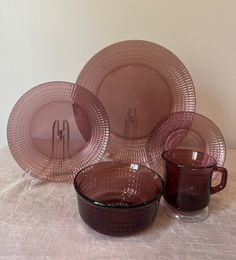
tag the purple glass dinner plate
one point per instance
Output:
(185, 130)
(56, 129)
(139, 83)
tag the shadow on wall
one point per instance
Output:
(213, 109)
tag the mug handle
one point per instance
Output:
(223, 181)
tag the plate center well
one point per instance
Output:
(135, 97)
(55, 132)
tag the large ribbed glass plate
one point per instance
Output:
(139, 83)
(185, 130)
(56, 129)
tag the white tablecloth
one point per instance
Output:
(41, 221)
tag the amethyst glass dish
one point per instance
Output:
(139, 83)
(117, 198)
(56, 129)
(185, 130)
(188, 183)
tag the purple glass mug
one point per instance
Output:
(188, 183)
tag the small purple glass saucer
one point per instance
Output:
(185, 130)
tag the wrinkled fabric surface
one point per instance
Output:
(41, 221)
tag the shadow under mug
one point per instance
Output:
(188, 183)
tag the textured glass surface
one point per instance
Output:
(56, 129)
(116, 198)
(185, 130)
(139, 83)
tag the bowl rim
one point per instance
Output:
(101, 204)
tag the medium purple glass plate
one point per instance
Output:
(56, 129)
(139, 83)
(185, 130)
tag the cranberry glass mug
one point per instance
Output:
(188, 183)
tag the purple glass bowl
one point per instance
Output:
(117, 198)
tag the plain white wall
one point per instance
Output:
(45, 40)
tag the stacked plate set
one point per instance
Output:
(131, 102)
